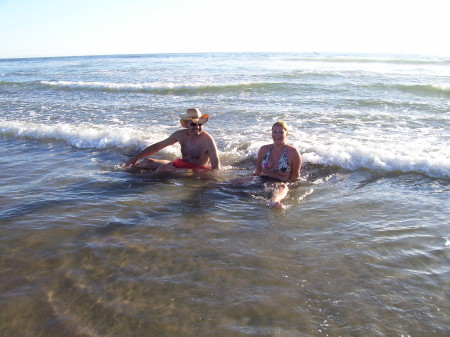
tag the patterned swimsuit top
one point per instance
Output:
(281, 166)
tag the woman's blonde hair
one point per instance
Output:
(282, 124)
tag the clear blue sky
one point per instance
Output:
(30, 28)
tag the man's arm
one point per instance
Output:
(213, 156)
(152, 149)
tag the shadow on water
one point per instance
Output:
(77, 193)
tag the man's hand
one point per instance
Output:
(130, 162)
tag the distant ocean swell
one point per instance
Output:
(426, 89)
(431, 90)
(412, 61)
(310, 57)
(372, 156)
(157, 88)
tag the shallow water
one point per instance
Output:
(362, 248)
(94, 252)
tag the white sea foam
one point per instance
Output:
(109, 85)
(351, 155)
(80, 136)
(373, 156)
(148, 86)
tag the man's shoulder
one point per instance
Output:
(205, 134)
(207, 140)
(179, 134)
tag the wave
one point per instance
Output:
(435, 164)
(79, 136)
(437, 90)
(364, 59)
(428, 89)
(157, 88)
(166, 88)
(12, 84)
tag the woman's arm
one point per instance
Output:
(261, 153)
(296, 164)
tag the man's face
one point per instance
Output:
(194, 127)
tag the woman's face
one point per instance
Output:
(279, 135)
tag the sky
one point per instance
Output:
(41, 28)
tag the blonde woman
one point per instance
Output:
(277, 164)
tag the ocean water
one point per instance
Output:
(362, 248)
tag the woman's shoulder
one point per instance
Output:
(292, 150)
(266, 147)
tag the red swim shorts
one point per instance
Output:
(180, 163)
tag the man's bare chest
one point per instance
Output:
(193, 148)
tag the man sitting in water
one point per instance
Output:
(197, 148)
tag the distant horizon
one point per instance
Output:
(238, 52)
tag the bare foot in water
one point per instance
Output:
(276, 204)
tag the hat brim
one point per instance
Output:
(201, 120)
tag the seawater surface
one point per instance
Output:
(362, 248)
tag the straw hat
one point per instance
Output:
(193, 115)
